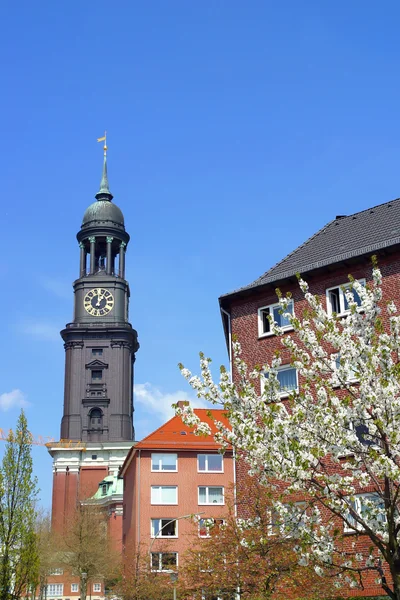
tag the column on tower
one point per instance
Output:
(122, 260)
(82, 267)
(109, 264)
(92, 241)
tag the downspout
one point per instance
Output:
(138, 502)
(229, 340)
(231, 379)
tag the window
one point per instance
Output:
(164, 528)
(366, 506)
(164, 494)
(287, 378)
(210, 463)
(55, 589)
(164, 462)
(97, 587)
(74, 587)
(96, 418)
(211, 495)
(274, 311)
(104, 488)
(206, 525)
(97, 375)
(164, 561)
(56, 571)
(336, 300)
(97, 351)
(350, 371)
(94, 456)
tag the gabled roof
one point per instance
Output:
(344, 238)
(175, 435)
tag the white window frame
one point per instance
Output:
(334, 357)
(56, 571)
(160, 456)
(57, 590)
(270, 310)
(161, 487)
(160, 569)
(74, 587)
(341, 287)
(286, 393)
(160, 532)
(96, 588)
(207, 488)
(358, 508)
(212, 522)
(206, 470)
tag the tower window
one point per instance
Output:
(96, 419)
(96, 375)
(97, 351)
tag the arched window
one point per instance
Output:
(96, 419)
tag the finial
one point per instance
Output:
(104, 191)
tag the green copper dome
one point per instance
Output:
(103, 210)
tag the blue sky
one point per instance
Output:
(235, 130)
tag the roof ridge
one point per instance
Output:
(368, 209)
(158, 429)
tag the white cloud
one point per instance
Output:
(42, 330)
(153, 406)
(13, 399)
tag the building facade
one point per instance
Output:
(174, 481)
(344, 246)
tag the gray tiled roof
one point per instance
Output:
(341, 239)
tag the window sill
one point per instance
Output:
(272, 334)
(164, 471)
(210, 472)
(164, 537)
(211, 503)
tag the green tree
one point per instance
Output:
(18, 491)
(85, 547)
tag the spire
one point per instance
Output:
(104, 191)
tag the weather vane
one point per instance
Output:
(104, 139)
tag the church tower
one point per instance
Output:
(100, 345)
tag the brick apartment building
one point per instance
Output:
(168, 476)
(343, 246)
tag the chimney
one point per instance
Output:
(182, 403)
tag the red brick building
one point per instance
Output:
(344, 246)
(171, 474)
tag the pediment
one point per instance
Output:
(96, 364)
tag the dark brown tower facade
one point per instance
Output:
(100, 343)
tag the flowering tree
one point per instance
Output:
(251, 554)
(336, 440)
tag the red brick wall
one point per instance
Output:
(187, 479)
(258, 351)
(65, 495)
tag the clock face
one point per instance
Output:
(98, 302)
